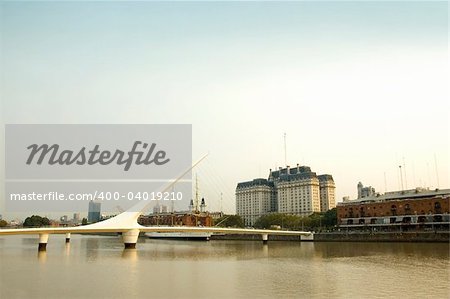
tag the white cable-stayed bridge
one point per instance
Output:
(127, 224)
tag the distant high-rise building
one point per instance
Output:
(297, 191)
(76, 217)
(365, 191)
(94, 211)
(158, 209)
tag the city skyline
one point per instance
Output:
(357, 97)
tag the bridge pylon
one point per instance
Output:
(43, 240)
(130, 238)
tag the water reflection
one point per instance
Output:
(197, 250)
(130, 255)
(92, 246)
(265, 251)
(360, 249)
(30, 240)
(42, 257)
(67, 249)
(229, 269)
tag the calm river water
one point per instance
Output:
(98, 267)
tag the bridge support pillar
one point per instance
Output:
(67, 237)
(130, 238)
(265, 238)
(43, 240)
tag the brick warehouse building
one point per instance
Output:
(177, 219)
(416, 208)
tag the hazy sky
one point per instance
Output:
(356, 86)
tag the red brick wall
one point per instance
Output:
(394, 207)
(186, 220)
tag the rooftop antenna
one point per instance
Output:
(404, 172)
(172, 204)
(401, 175)
(385, 184)
(196, 194)
(285, 152)
(221, 197)
(436, 168)
(428, 176)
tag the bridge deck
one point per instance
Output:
(87, 229)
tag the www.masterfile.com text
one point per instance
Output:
(97, 195)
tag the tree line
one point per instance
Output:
(36, 221)
(315, 221)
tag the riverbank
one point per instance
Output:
(432, 236)
(414, 236)
(419, 236)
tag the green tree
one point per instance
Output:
(277, 219)
(230, 221)
(315, 221)
(3, 223)
(330, 218)
(84, 221)
(266, 221)
(36, 221)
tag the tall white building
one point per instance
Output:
(296, 191)
(253, 199)
(327, 194)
